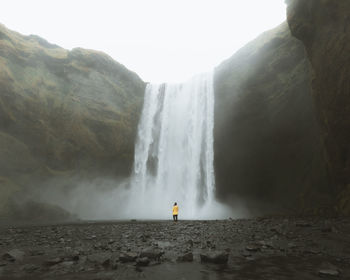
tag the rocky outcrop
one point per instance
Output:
(323, 26)
(63, 112)
(268, 152)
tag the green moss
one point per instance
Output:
(63, 112)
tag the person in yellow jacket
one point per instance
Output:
(175, 211)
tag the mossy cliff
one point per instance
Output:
(63, 112)
(268, 152)
(323, 26)
(281, 116)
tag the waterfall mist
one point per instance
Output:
(173, 163)
(174, 151)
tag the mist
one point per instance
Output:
(108, 198)
(153, 38)
(174, 162)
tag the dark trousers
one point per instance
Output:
(175, 218)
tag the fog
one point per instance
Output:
(105, 199)
(161, 40)
(174, 162)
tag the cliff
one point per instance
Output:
(281, 117)
(62, 113)
(323, 26)
(268, 152)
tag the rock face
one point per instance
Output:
(324, 29)
(63, 112)
(267, 140)
(281, 123)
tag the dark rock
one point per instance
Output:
(216, 257)
(252, 247)
(138, 269)
(302, 224)
(246, 254)
(128, 257)
(36, 253)
(328, 272)
(144, 261)
(103, 259)
(151, 253)
(322, 27)
(312, 251)
(190, 242)
(29, 267)
(53, 261)
(13, 255)
(327, 229)
(265, 244)
(74, 256)
(187, 257)
(67, 263)
(262, 120)
(210, 244)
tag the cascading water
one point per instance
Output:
(173, 162)
(174, 150)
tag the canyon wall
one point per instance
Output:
(323, 26)
(268, 152)
(62, 113)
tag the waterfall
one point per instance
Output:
(174, 150)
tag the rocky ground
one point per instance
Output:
(265, 248)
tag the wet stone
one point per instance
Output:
(103, 259)
(328, 272)
(53, 261)
(187, 257)
(29, 267)
(217, 257)
(36, 253)
(128, 257)
(151, 253)
(246, 254)
(252, 247)
(74, 256)
(189, 242)
(67, 263)
(326, 229)
(13, 255)
(144, 261)
(302, 224)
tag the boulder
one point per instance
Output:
(217, 257)
(144, 261)
(187, 257)
(151, 253)
(128, 257)
(14, 255)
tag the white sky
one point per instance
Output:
(161, 40)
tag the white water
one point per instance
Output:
(174, 151)
(173, 162)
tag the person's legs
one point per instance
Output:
(175, 218)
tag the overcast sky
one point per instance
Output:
(161, 40)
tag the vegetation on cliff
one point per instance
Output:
(63, 112)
